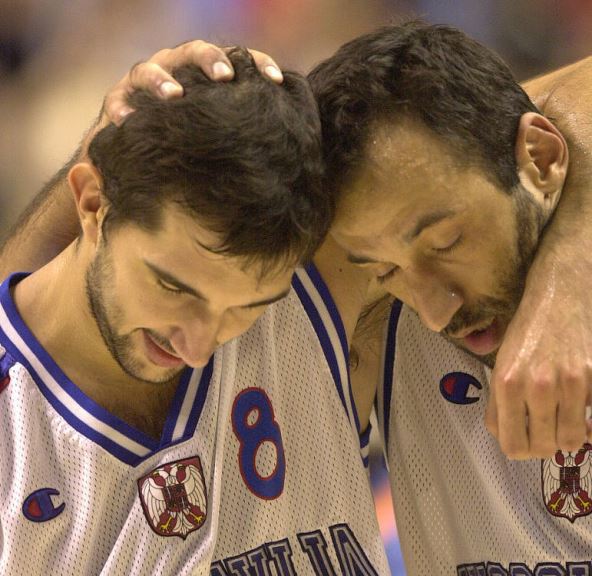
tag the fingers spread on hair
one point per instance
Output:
(156, 79)
(210, 58)
(267, 66)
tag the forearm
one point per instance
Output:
(45, 228)
(543, 371)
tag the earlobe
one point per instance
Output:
(542, 158)
(86, 185)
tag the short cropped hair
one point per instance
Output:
(243, 157)
(457, 88)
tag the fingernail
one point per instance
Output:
(221, 70)
(168, 89)
(274, 73)
(124, 113)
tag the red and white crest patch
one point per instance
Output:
(567, 483)
(174, 497)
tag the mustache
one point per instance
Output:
(489, 307)
(483, 311)
(161, 341)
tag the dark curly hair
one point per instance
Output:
(243, 157)
(435, 74)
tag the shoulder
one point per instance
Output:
(560, 86)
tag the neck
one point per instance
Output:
(54, 305)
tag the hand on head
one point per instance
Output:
(155, 76)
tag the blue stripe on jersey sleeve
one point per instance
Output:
(332, 351)
(389, 365)
(320, 285)
(200, 400)
(322, 335)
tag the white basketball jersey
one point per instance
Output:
(293, 476)
(462, 507)
(81, 492)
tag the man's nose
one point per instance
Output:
(433, 298)
(195, 341)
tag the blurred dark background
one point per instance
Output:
(58, 58)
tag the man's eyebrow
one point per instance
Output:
(268, 301)
(207, 248)
(427, 221)
(170, 279)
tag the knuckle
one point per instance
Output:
(193, 45)
(149, 68)
(508, 384)
(146, 74)
(573, 376)
(205, 52)
(137, 67)
(542, 383)
(161, 56)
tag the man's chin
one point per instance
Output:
(143, 370)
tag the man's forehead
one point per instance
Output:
(408, 179)
(408, 149)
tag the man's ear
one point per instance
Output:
(542, 158)
(86, 185)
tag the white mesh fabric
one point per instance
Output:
(325, 483)
(462, 507)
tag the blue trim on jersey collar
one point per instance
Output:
(389, 367)
(333, 350)
(89, 418)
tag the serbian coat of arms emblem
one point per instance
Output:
(567, 483)
(174, 497)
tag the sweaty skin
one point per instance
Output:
(543, 374)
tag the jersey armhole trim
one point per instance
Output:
(324, 316)
(385, 390)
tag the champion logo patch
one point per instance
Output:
(174, 497)
(459, 388)
(43, 505)
(567, 483)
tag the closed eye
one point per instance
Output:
(169, 287)
(385, 277)
(450, 247)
